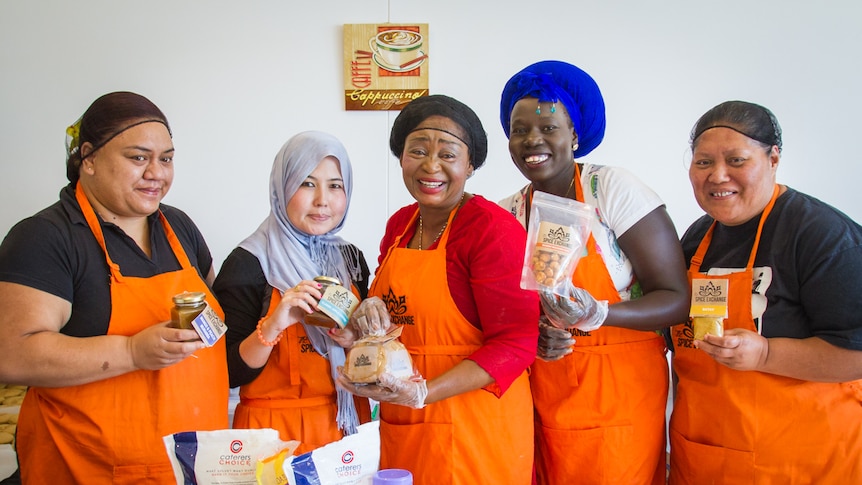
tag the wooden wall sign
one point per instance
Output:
(385, 65)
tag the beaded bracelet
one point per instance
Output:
(265, 341)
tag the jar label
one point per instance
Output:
(209, 326)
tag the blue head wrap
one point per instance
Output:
(557, 81)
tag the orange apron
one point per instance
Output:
(743, 427)
(110, 431)
(600, 411)
(472, 438)
(294, 393)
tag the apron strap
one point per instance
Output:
(697, 259)
(460, 350)
(96, 228)
(289, 403)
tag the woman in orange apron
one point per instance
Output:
(267, 285)
(100, 403)
(447, 275)
(777, 398)
(600, 389)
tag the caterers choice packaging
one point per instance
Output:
(224, 456)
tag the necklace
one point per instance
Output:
(441, 229)
(571, 184)
(529, 201)
(435, 238)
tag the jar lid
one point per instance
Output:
(327, 280)
(189, 297)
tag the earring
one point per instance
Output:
(575, 147)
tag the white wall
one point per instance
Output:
(237, 79)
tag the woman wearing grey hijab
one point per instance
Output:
(266, 286)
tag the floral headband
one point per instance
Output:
(73, 135)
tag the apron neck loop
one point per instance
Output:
(576, 183)
(444, 238)
(96, 228)
(697, 259)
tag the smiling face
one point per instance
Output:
(127, 177)
(319, 204)
(541, 144)
(732, 175)
(435, 164)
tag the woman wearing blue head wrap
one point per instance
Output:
(266, 286)
(606, 425)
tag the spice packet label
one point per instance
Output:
(709, 297)
(209, 326)
(338, 304)
(556, 238)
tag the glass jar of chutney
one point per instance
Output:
(187, 306)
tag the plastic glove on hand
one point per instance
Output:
(371, 317)
(406, 392)
(554, 343)
(577, 310)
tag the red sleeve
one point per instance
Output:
(485, 255)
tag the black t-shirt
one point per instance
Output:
(244, 295)
(54, 251)
(807, 271)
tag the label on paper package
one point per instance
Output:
(709, 297)
(209, 326)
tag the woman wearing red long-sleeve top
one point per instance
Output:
(449, 273)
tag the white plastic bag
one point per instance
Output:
(225, 456)
(352, 460)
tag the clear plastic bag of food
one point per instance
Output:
(556, 238)
(374, 355)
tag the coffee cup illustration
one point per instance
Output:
(397, 50)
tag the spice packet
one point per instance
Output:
(556, 238)
(374, 355)
(708, 307)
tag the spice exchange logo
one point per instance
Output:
(397, 307)
(558, 237)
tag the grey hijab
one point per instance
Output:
(288, 255)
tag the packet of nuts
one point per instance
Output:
(556, 237)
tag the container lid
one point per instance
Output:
(189, 298)
(327, 280)
(392, 476)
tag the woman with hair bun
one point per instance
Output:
(86, 290)
(776, 396)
